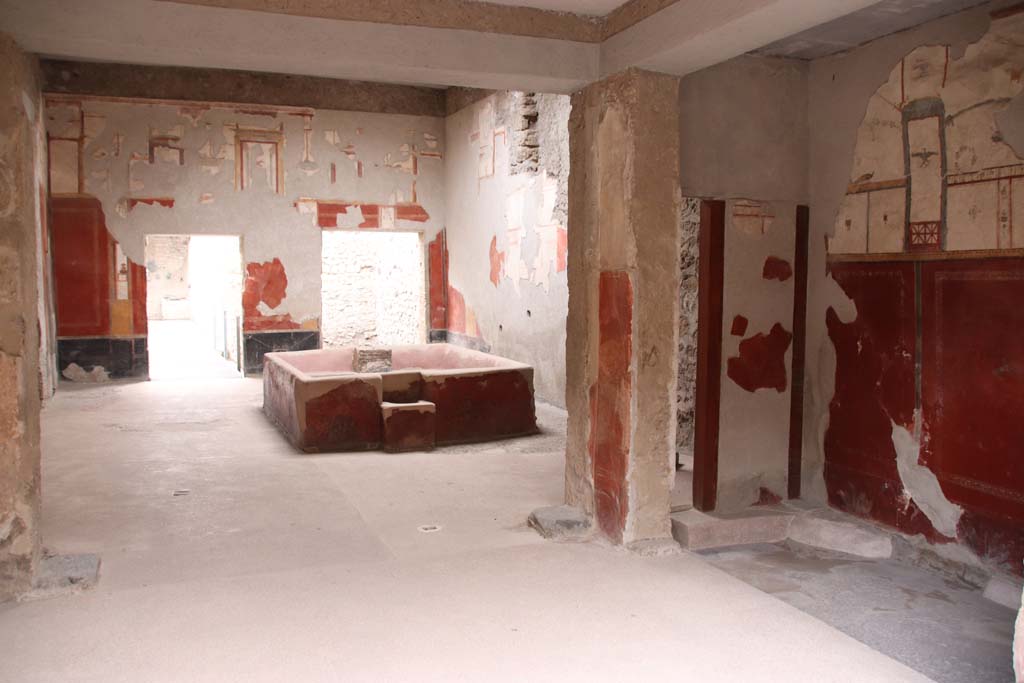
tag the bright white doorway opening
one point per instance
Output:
(194, 305)
(373, 288)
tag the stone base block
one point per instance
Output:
(695, 530)
(841, 537)
(408, 426)
(561, 522)
(64, 575)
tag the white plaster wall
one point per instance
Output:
(753, 440)
(116, 153)
(522, 316)
(373, 288)
(743, 137)
(167, 277)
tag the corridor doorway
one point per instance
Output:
(194, 306)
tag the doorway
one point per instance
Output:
(373, 288)
(194, 306)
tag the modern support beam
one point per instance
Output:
(624, 212)
(150, 32)
(688, 36)
(418, 45)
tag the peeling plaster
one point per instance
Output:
(201, 179)
(920, 483)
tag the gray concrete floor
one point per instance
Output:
(229, 556)
(932, 622)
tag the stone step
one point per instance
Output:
(850, 538)
(695, 530)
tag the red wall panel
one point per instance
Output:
(610, 399)
(82, 265)
(973, 397)
(874, 388)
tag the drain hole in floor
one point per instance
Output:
(429, 528)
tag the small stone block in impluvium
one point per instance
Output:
(372, 360)
(560, 522)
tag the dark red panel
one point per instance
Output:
(739, 326)
(874, 388)
(711, 265)
(973, 397)
(481, 407)
(345, 418)
(610, 402)
(137, 289)
(437, 256)
(82, 267)
(762, 361)
(796, 395)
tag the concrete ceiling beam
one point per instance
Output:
(679, 38)
(162, 33)
(689, 36)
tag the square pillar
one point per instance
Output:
(22, 202)
(622, 348)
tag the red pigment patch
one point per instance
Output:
(265, 282)
(762, 361)
(327, 213)
(610, 402)
(497, 261)
(766, 496)
(165, 202)
(739, 326)
(456, 311)
(437, 256)
(411, 212)
(776, 269)
(562, 253)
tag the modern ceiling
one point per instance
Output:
(857, 28)
(453, 42)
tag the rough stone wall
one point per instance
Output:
(373, 289)
(22, 176)
(275, 176)
(506, 186)
(167, 277)
(686, 387)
